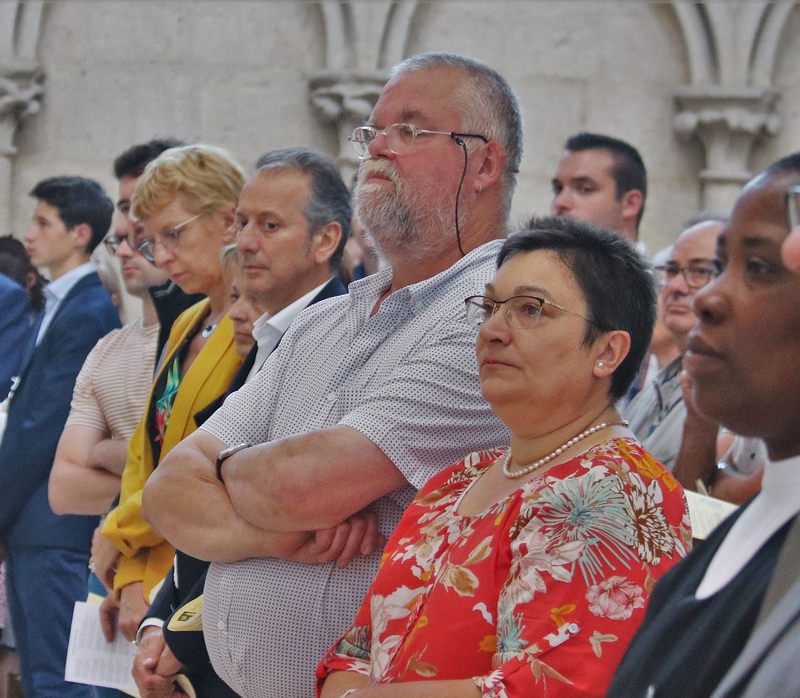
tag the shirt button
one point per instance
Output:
(221, 625)
(331, 397)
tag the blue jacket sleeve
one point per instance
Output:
(41, 404)
(14, 327)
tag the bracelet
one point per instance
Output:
(348, 692)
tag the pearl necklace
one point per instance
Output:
(553, 454)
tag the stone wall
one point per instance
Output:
(240, 75)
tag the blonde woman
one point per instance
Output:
(185, 201)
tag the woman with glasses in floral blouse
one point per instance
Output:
(525, 571)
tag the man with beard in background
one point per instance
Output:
(367, 396)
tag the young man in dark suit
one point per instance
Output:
(47, 555)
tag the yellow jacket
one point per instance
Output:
(146, 556)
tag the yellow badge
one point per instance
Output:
(188, 616)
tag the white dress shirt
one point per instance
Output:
(778, 501)
(268, 330)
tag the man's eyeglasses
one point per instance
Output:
(522, 312)
(695, 275)
(793, 207)
(134, 240)
(168, 239)
(400, 138)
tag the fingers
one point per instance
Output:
(108, 618)
(167, 664)
(790, 252)
(323, 539)
(104, 560)
(353, 540)
(149, 683)
(358, 535)
(373, 539)
(330, 542)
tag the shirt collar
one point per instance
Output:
(56, 290)
(283, 318)
(782, 479)
(423, 293)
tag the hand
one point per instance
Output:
(692, 415)
(150, 682)
(132, 609)
(357, 535)
(103, 561)
(109, 611)
(736, 488)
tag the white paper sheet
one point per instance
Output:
(706, 513)
(92, 660)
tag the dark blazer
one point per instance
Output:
(15, 323)
(37, 415)
(333, 288)
(768, 665)
(189, 647)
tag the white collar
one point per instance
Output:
(283, 318)
(778, 501)
(56, 290)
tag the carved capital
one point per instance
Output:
(346, 99)
(728, 121)
(20, 96)
(337, 94)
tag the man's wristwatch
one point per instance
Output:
(227, 453)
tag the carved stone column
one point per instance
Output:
(346, 99)
(20, 95)
(728, 121)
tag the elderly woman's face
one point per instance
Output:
(542, 369)
(187, 246)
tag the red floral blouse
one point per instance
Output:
(537, 596)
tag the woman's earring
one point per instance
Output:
(600, 364)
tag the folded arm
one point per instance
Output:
(314, 480)
(86, 471)
(189, 506)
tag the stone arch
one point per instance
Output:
(362, 42)
(20, 84)
(729, 104)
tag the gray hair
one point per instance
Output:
(328, 201)
(487, 105)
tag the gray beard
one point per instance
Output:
(406, 230)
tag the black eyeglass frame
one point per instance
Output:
(669, 272)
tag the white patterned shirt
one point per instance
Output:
(406, 378)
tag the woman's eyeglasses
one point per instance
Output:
(522, 312)
(168, 239)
